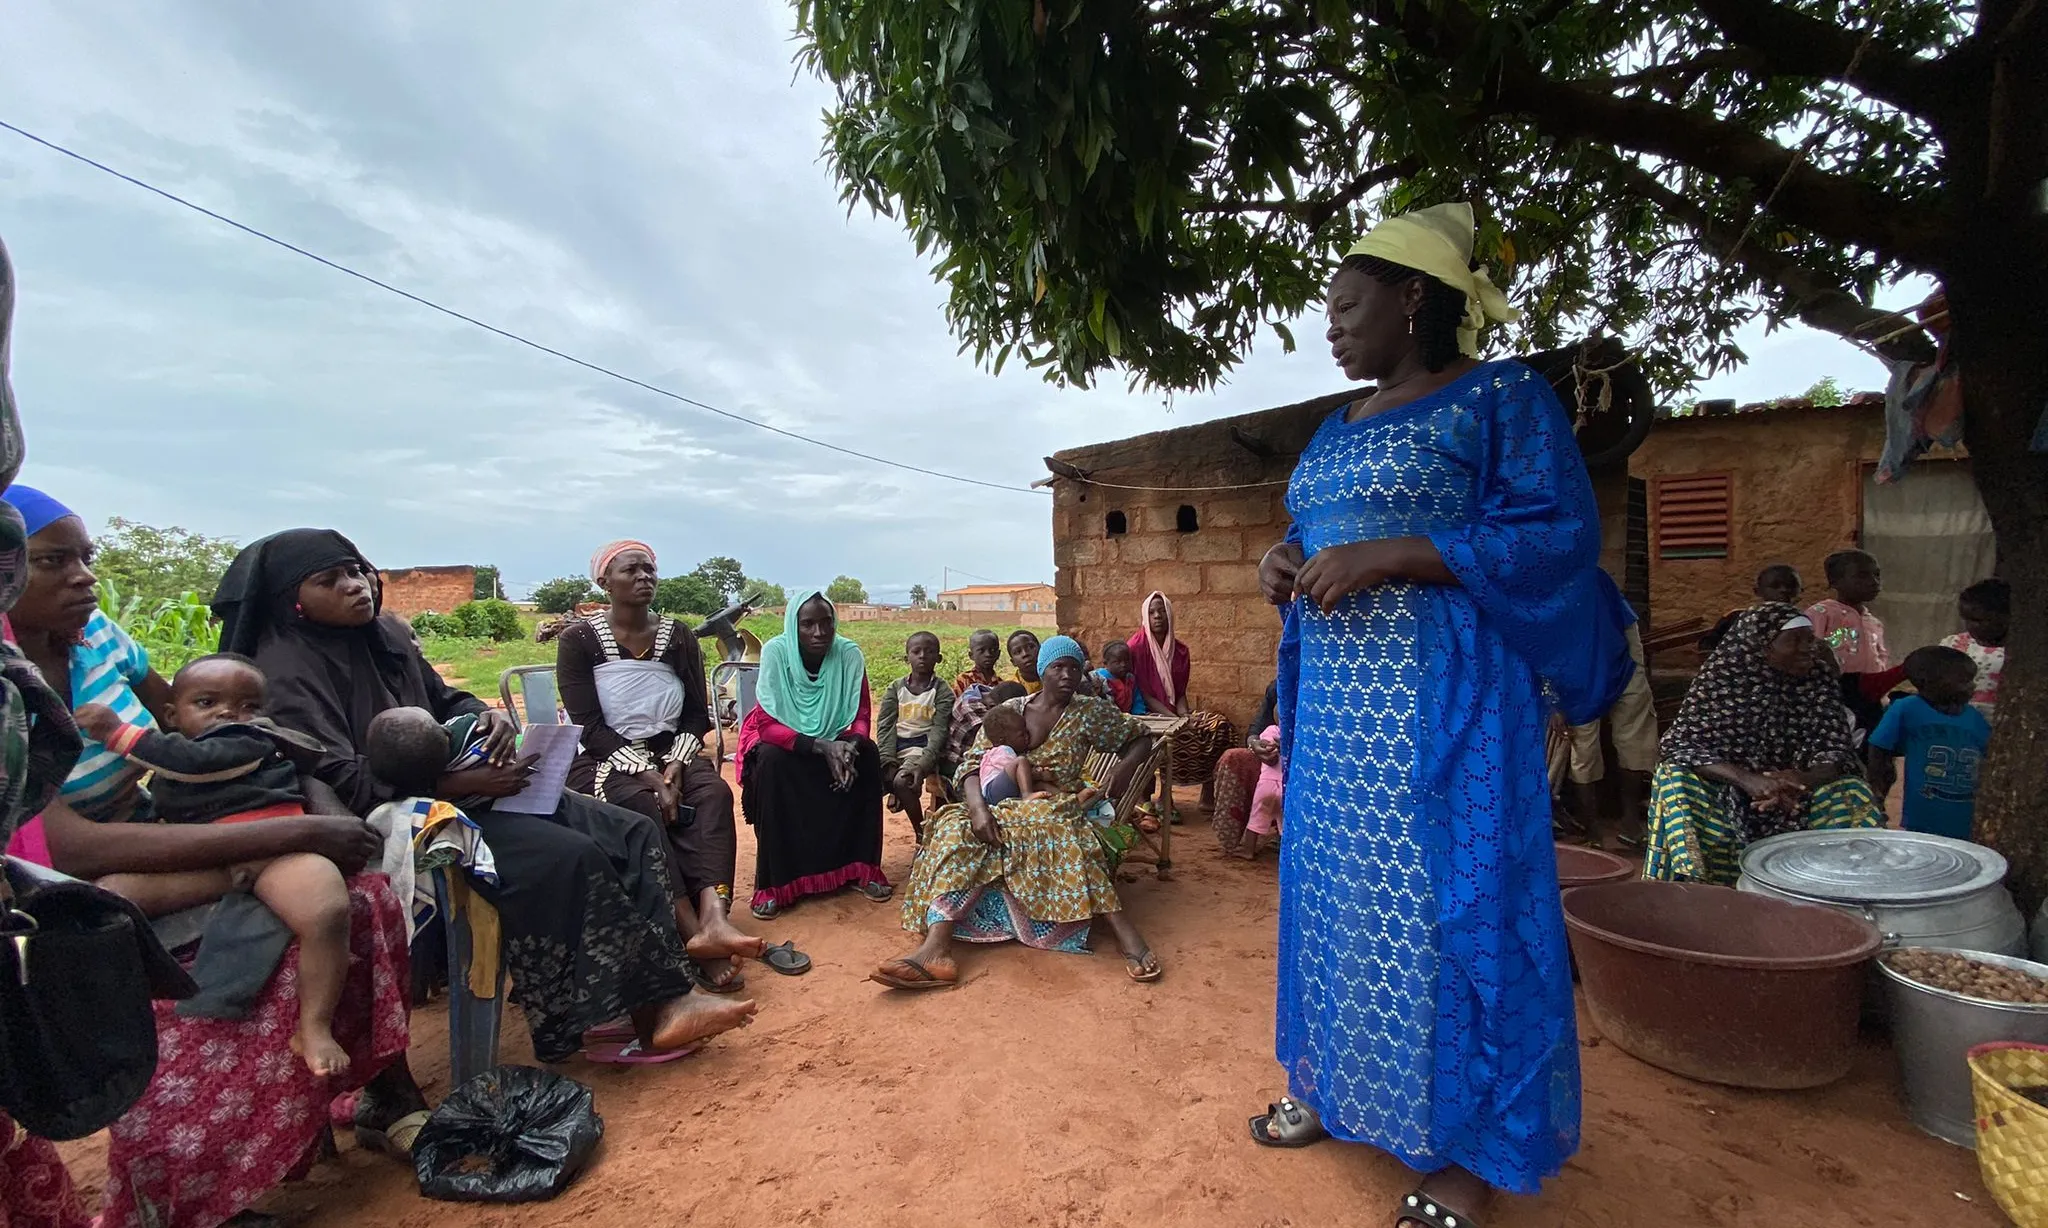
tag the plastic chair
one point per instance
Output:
(472, 1021)
(530, 689)
(745, 677)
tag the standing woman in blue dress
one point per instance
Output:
(1439, 569)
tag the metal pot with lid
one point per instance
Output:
(1919, 890)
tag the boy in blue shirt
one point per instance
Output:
(1942, 739)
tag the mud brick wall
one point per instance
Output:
(416, 590)
(1202, 547)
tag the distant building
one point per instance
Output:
(1000, 598)
(416, 590)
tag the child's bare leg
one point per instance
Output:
(160, 895)
(307, 893)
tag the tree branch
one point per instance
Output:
(1682, 73)
(1317, 213)
(1795, 44)
(1323, 211)
(1824, 203)
(1817, 303)
(1827, 204)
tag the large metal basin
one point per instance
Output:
(1719, 985)
(1919, 890)
(1933, 1031)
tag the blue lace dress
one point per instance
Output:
(1425, 1001)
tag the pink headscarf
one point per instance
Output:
(1160, 667)
(602, 560)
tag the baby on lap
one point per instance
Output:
(227, 763)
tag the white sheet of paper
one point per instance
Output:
(556, 746)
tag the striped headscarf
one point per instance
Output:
(602, 560)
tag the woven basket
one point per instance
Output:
(2012, 1131)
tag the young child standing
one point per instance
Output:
(1265, 815)
(1116, 678)
(911, 727)
(1856, 636)
(1942, 739)
(984, 649)
(1844, 622)
(1984, 608)
(1779, 582)
(1023, 650)
(228, 764)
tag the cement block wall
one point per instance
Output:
(416, 590)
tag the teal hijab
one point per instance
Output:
(820, 706)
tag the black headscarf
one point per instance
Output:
(326, 682)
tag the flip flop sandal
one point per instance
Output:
(1135, 965)
(783, 957)
(1287, 1124)
(766, 912)
(396, 1139)
(633, 1053)
(709, 984)
(920, 977)
(608, 1033)
(880, 893)
(1418, 1209)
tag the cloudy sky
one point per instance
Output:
(638, 184)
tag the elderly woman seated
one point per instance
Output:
(1761, 746)
(1035, 869)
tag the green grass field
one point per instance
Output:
(476, 664)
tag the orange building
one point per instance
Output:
(1000, 598)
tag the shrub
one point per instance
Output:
(430, 623)
(489, 620)
(560, 596)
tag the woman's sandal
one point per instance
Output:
(766, 912)
(396, 1139)
(905, 972)
(733, 983)
(1144, 967)
(1287, 1124)
(879, 893)
(1417, 1208)
(783, 957)
(632, 1053)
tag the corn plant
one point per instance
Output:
(173, 630)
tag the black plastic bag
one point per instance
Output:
(513, 1134)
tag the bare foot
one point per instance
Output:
(718, 939)
(1247, 846)
(322, 1054)
(695, 1017)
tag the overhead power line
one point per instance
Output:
(507, 334)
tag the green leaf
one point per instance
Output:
(1286, 337)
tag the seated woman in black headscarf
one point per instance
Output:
(582, 895)
(633, 681)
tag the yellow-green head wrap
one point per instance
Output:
(1438, 241)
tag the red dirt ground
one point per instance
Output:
(1050, 1090)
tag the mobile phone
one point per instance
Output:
(685, 815)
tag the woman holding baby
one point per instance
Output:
(1029, 868)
